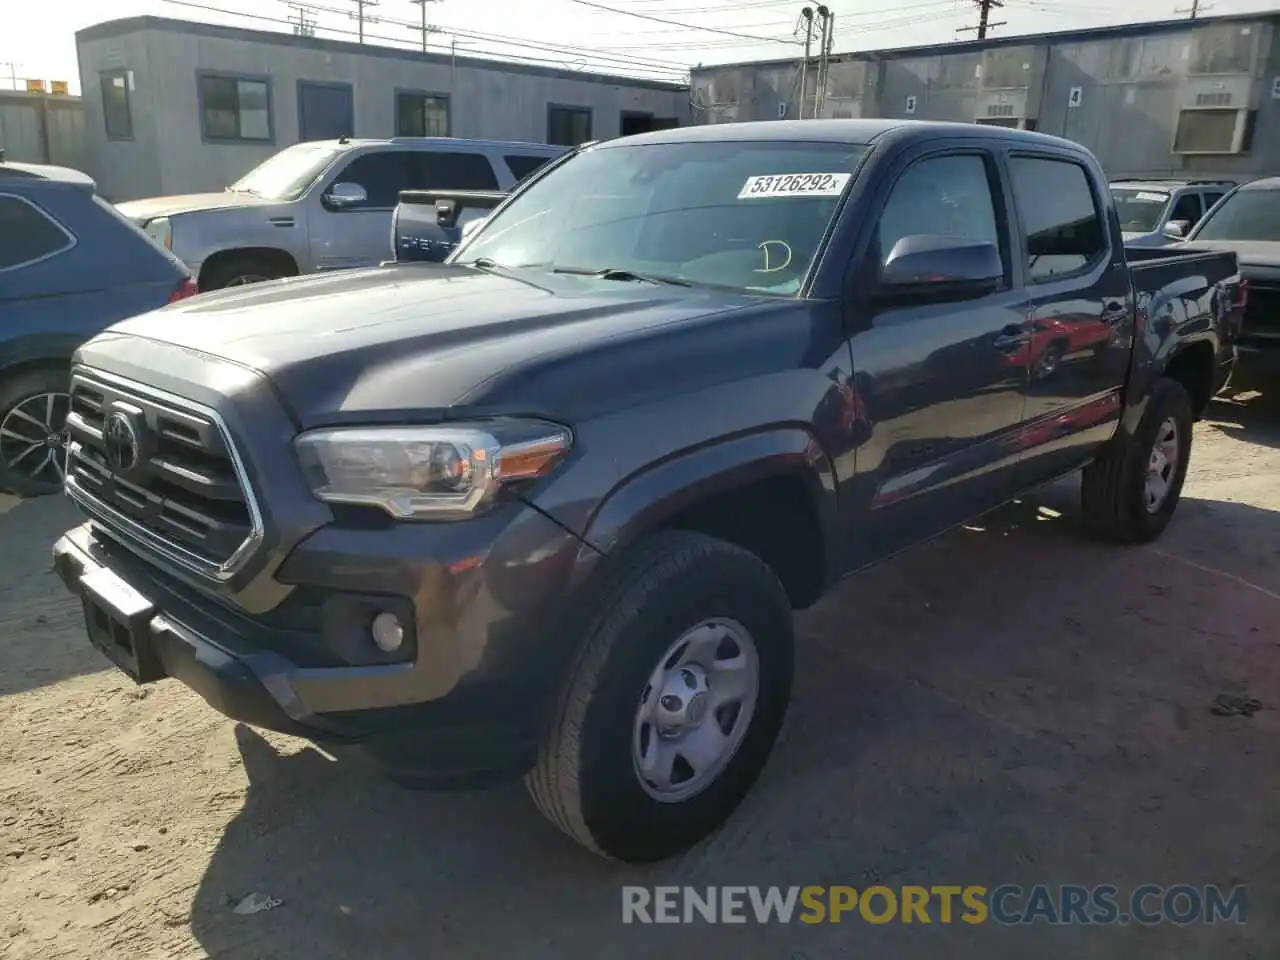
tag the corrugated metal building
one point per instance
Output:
(42, 128)
(178, 107)
(1171, 98)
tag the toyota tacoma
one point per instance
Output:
(545, 509)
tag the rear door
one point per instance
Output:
(1081, 304)
(941, 382)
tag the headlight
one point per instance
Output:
(160, 231)
(446, 472)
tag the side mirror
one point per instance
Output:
(447, 212)
(927, 263)
(345, 194)
(1177, 229)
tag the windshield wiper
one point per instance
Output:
(618, 273)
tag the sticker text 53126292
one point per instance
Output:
(794, 185)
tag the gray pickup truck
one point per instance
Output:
(321, 205)
(546, 509)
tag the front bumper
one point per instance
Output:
(468, 707)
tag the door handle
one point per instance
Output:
(1114, 310)
(1011, 337)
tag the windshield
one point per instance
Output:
(1141, 211)
(287, 174)
(1245, 215)
(745, 215)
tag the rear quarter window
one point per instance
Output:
(28, 234)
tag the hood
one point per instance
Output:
(140, 211)
(1252, 253)
(362, 344)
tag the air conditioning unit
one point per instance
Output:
(1207, 130)
(1004, 108)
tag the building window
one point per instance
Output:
(234, 108)
(28, 234)
(568, 126)
(115, 105)
(422, 115)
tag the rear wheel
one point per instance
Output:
(33, 431)
(675, 700)
(1130, 493)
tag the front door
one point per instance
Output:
(1081, 311)
(939, 383)
(359, 234)
(326, 111)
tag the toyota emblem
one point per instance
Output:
(121, 442)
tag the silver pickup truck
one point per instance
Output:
(322, 205)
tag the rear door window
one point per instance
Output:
(453, 171)
(28, 234)
(1060, 214)
(521, 165)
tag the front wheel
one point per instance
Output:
(673, 704)
(33, 431)
(1130, 493)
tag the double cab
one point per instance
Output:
(545, 509)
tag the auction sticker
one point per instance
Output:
(795, 185)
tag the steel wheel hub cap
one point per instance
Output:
(1161, 465)
(33, 436)
(695, 710)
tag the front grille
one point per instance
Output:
(174, 483)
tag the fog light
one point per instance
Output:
(388, 632)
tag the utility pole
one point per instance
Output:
(984, 18)
(807, 13)
(824, 16)
(425, 28)
(13, 71)
(361, 17)
(305, 25)
(826, 57)
(1195, 9)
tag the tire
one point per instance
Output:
(586, 780)
(240, 271)
(1114, 487)
(25, 469)
(1048, 362)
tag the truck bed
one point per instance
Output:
(416, 234)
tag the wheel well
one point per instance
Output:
(1193, 368)
(269, 255)
(12, 371)
(774, 518)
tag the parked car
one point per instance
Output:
(70, 266)
(1155, 212)
(1247, 221)
(546, 509)
(321, 205)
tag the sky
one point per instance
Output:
(660, 39)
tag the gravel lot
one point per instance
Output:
(1009, 704)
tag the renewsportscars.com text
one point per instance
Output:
(1008, 904)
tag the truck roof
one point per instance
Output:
(844, 131)
(456, 142)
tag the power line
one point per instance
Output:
(677, 23)
(633, 65)
(360, 16)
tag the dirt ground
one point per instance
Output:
(1009, 704)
